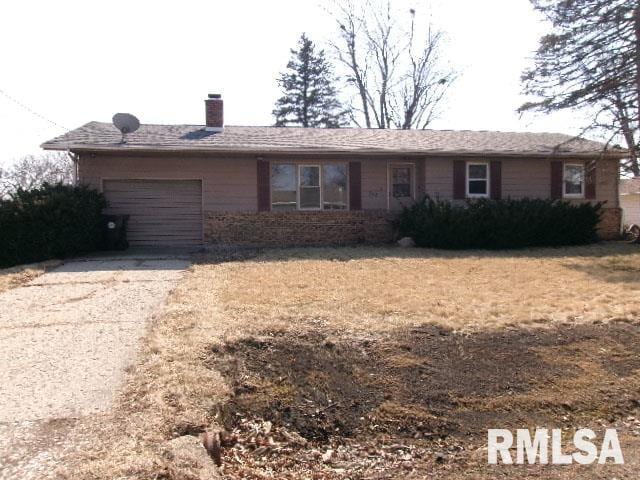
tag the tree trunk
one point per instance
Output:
(636, 24)
(635, 168)
(629, 137)
(305, 96)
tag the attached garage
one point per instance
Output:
(161, 212)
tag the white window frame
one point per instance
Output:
(300, 187)
(469, 179)
(564, 182)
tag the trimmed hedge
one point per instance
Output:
(53, 221)
(499, 224)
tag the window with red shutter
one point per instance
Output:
(264, 185)
(496, 179)
(556, 179)
(459, 179)
(355, 185)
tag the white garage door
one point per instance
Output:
(162, 212)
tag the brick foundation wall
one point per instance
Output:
(610, 223)
(328, 228)
(298, 228)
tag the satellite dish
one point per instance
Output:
(126, 123)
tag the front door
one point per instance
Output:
(401, 185)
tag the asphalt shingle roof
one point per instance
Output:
(104, 136)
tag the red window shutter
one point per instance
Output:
(355, 185)
(495, 176)
(264, 185)
(421, 188)
(590, 180)
(557, 175)
(459, 179)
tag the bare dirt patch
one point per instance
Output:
(428, 392)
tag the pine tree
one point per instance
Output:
(591, 60)
(309, 98)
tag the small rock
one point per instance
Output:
(440, 457)
(266, 426)
(326, 456)
(406, 242)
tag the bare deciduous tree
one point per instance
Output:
(396, 70)
(32, 171)
(3, 191)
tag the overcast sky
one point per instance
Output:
(76, 61)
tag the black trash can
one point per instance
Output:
(115, 232)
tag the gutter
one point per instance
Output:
(328, 152)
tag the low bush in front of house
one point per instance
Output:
(53, 221)
(497, 224)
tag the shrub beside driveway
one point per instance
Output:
(357, 362)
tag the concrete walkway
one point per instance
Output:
(65, 340)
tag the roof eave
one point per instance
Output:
(327, 151)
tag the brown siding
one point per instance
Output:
(229, 184)
(525, 178)
(374, 183)
(438, 182)
(608, 173)
(522, 178)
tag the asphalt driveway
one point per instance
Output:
(65, 339)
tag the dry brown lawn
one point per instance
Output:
(396, 360)
(16, 276)
(367, 288)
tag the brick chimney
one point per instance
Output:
(214, 113)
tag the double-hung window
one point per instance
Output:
(401, 181)
(334, 191)
(573, 180)
(477, 179)
(309, 187)
(284, 191)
